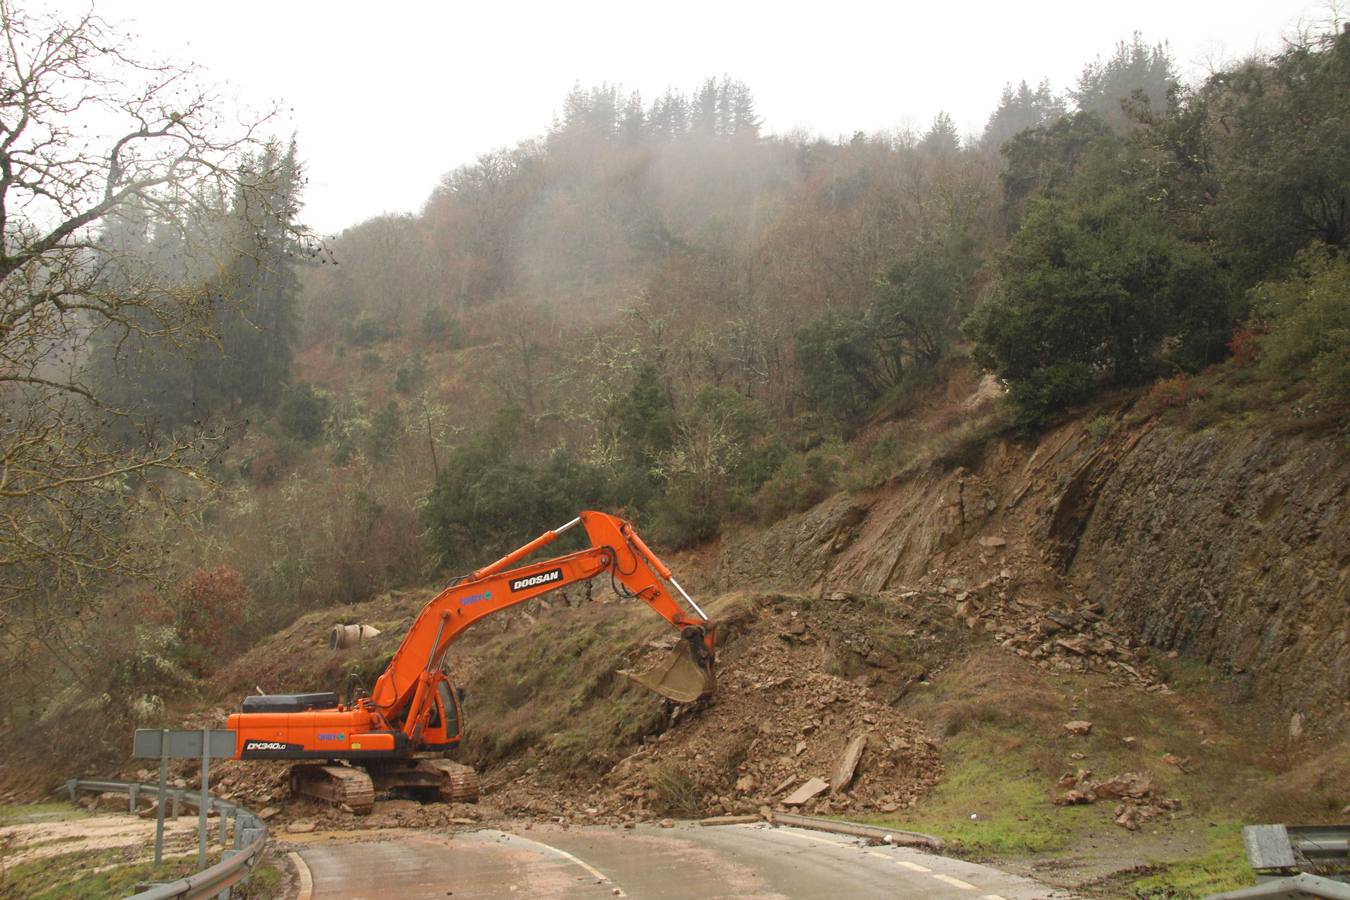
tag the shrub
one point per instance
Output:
(269, 460)
(366, 329)
(210, 607)
(839, 365)
(1100, 428)
(303, 411)
(1245, 347)
(1095, 293)
(385, 430)
(803, 480)
(410, 374)
(440, 328)
(491, 498)
(1308, 319)
(1170, 393)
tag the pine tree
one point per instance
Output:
(704, 112)
(633, 125)
(941, 137)
(1135, 71)
(257, 292)
(744, 122)
(1019, 110)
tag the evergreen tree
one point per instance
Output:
(704, 113)
(257, 331)
(743, 122)
(941, 137)
(1021, 109)
(632, 126)
(1136, 73)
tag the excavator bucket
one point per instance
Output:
(677, 675)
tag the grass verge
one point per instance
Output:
(87, 875)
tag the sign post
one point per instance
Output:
(149, 743)
(204, 804)
(163, 798)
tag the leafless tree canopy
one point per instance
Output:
(93, 140)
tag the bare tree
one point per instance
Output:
(93, 142)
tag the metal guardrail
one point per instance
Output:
(1295, 887)
(1277, 852)
(236, 864)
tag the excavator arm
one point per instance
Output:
(403, 693)
(381, 735)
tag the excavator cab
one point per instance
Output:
(443, 729)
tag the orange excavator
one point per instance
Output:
(394, 738)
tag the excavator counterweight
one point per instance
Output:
(389, 740)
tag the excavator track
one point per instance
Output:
(459, 783)
(338, 785)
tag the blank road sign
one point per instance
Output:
(182, 744)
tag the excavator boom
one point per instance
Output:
(615, 548)
(412, 709)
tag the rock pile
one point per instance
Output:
(1137, 804)
(1064, 634)
(782, 732)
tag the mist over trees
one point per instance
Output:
(637, 256)
(246, 288)
(653, 307)
(108, 237)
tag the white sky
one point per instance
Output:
(386, 97)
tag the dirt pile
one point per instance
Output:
(802, 693)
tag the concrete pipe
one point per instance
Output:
(344, 636)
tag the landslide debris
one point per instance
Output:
(804, 696)
(1139, 801)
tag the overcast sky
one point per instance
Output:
(387, 97)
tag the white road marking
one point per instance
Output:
(991, 897)
(954, 882)
(913, 867)
(812, 838)
(565, 855)
(303, 873)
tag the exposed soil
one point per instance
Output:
(799, 682)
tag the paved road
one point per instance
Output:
(735, 861)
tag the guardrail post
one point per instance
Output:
(131, 798)
(177, 801)
(227, 854)
(250, 833)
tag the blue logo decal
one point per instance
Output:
(476, 598)
(333, 737)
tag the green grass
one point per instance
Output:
(49, 811)
(1223, 867)
(263, 884)
(1014, 817)
(70, 876)
(1005, 747)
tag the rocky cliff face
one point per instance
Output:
(1229, 546)
(1232, 548)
